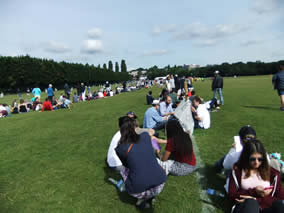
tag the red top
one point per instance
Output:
(47, 106)
(105, 94)
(189, 93)
(178, 156)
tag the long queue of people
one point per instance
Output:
(52, 103)
(253, 177)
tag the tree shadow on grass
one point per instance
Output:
(210, 179)
(261, 107)
(123, 196)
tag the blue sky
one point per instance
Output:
(144, 33)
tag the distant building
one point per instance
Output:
(134, 73)
(191, 66)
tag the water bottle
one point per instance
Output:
(119, 184)
(214, 192)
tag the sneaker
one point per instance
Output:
(143, 204)
(281, 108)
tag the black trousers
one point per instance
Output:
(252, 206)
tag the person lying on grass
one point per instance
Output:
(46, 105)
(179, 158)
(144, 178)
(254, 186)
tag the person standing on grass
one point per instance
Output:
(217, 86)
(254, 186)
(278, 82)
(50, 93)
(179, 147)
(144, 178)
(67, 90)
(36, 92)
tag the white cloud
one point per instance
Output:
(252, 42)
(267, 6)
(207, 42)
(56, 47)
(278, 53)
(155, 53)
(205, 35)
(92, 46)
(157, 30)
(95, 33)
(201, 31)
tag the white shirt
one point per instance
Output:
(203, 113)
(234, 154)
(112, 159)
(100, 94)
(111, 93)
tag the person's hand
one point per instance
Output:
(243, 198)
(234, 145)
(267, 192)
(260, 191)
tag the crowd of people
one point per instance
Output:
(64, 101)
(136, 152)
(253, 183)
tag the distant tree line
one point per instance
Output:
(23, 72)
(226, 69)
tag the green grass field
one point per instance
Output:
(55, 161)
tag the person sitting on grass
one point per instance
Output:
(144, 178)
(149, 98)
(152, 118)
(166, 107)
(179, 158)
(3, 111)
(46, 105)
(155, 140)
(246, 133)
(192, 96)
(254, 186)
(37, 105)
(200, 114)
(66, 102)
(23, 106)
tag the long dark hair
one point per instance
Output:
(249, 148)
(181, 140)
(127, 130)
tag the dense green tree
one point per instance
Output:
(123, 67)
(105, 67)
(24, 72)
(110, 66)
(116, 67)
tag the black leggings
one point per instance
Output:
(252, 206)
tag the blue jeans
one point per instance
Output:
(219, 90)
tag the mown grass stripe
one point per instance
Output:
(206, 207)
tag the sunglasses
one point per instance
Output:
(254, 159)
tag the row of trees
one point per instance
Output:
(23, 72)
(226, 69)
